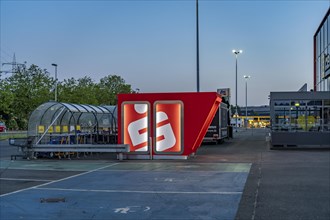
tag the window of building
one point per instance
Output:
(326, 31)
(301, 116)
(298, 115)
(326, 115)
(314, 115)
(282, 116)
(282, 103)
(321, 40)
(328, 24)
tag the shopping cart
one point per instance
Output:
(23, 145)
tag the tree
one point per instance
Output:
(109, 87)
(30, 88)
(66, 90)
(85, 91)
(7, 98)
(81, 91)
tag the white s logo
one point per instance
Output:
(164, 131)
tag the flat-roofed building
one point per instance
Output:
(300, 118)
(322, 55)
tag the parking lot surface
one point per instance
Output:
(239, 179)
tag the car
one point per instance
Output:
(3, 127)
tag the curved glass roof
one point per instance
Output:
(58, 116)
(84, 108)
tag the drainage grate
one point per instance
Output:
(52, 200)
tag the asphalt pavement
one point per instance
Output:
(283, 184)
(242, 177)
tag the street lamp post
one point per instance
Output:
(197, 46)
(54, 64)
(236, 52)
(246, 79)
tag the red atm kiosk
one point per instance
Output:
(165, 125)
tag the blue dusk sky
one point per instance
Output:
(152, 44)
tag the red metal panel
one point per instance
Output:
(136, 120)
(198, 112)
(169, 127)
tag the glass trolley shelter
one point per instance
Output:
(66, 123)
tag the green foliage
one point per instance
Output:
(25, 90)
(109, 87)
(81, 91)
(6, 97)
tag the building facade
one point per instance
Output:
(300, 118)
(303, 118)
(322, 55)
(256, 117)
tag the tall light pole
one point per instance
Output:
(246, 79)
(197, 46)
(236, 52)
(54, 64)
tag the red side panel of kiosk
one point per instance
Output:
(165, 123)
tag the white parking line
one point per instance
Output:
(55, 181)
(141, 191)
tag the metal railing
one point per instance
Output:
(28, 149)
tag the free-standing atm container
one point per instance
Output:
(165, 125)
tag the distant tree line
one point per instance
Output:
(27, 88)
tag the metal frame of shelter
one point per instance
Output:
(58, 129)
(67, 123)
